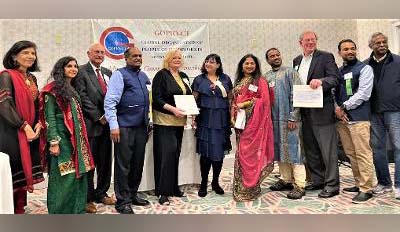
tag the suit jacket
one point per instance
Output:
(322, 67)
(92, 98)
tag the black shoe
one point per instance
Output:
(126, 209)
(362, 198)
(203, 190)
(218, 190)
(179, 193)
(281, 185)
(163, 200)
(328, 194)
(353, 189)
(139, 201)
(296, 193)
(314, 187)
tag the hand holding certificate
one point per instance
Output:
(306, 97)
(186, 103)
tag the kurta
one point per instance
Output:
(67, 190)
(10, 123)
(287, 142)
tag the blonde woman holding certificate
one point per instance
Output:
(169, 122)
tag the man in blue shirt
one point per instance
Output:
(126, 108)
(354, 112)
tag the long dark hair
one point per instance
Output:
(9, 59)
(239, 71)
(217, 59)
(61, 87)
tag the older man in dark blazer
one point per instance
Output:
(318, 68)
(91, 85)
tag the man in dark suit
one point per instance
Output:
(91, 85)
(318, 68)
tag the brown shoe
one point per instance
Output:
(91, 208)
(107, 200)
(296, 193)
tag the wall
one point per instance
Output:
(230, 38)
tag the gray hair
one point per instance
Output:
(373, 36)
(306, 32)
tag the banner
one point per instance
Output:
(154, 38)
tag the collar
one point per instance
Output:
(132, 69)
(380, 59)
(94, 67)
(350, 63)
(309, 56)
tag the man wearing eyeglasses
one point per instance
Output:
(91, 85)
(385, 112)
(318, 68)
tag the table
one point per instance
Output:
(189, 163)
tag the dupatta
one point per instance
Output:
(256, 141)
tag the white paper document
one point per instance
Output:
(240, 119)
(306, 97)
(186, 103)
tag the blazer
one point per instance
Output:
(92, 98)
(322, 67)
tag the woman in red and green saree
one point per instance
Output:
(251, 115)
(64, 145)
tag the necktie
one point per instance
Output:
(101, 81)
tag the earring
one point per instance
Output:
(15, 62)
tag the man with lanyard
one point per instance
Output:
(353, 111)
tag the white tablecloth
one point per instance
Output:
(6, 192)
(189, 166)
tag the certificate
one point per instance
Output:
(306, 97)
(186, 103)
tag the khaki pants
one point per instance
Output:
(355, 140)
(293, 173)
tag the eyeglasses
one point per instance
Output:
(310, 40)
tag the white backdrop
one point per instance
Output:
(230, 38)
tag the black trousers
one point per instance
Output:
(320, 147)
(101, 151)
(167, 143)
(129, 160)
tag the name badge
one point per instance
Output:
(253, 88)
(348, 76)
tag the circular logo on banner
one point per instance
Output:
(115, 41)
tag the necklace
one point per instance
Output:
(211, 78)
(27, 80)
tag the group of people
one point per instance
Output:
(68, 127)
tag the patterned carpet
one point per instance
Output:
(268, 203)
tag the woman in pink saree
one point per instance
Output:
(251, 115)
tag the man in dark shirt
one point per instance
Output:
(385, 109)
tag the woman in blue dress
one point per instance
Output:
(213, 92)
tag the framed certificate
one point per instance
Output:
(186, 103)
(306, 97)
